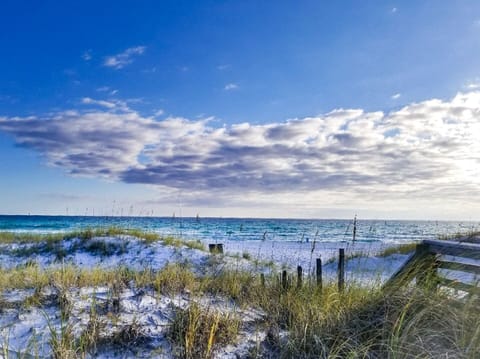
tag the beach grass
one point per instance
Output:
(301, 322)
(196, 332)
(307, 321)
(48, 242)
(464, 236)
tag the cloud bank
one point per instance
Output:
(427, 150)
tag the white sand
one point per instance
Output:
(29, 329)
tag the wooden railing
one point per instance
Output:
(432, 255)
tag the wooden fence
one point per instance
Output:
(286, 281)
(423, 265)
(430, 256)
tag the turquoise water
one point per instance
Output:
(221, 229)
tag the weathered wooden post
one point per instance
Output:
(299, 277)
(341, 269)
(262, 279)
(284, 279)
(115, 297)
(319, 272)
(355, 228)
(215, 248)
(427, 271)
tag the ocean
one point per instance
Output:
(237, 229)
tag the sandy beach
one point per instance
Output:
(26, 328)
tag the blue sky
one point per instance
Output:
(241, 108)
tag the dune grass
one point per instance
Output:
(298, 322)
(37, 243)
(466, 236)
(405, 248)
(196, 332)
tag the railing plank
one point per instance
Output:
(457, 266)
(407, 271)
(460, 249)
(428, 257)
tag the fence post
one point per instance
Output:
(299, 277)
(216, 248)
(319, 272)
(427, 273)
(262, 279)
(284, 279)
(341, 269)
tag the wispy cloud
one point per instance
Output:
(230, 86)
(223, 67)
(108, 90)
(473, 86)
(123, 59)
(91, 101)
(396, 96)
(394, 10)
(111, 104)
(87, 55)
(423, 151)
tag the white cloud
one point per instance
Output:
(107, 89)
(473, 86)
(90, 101)
(159, 113)
(87, 55)
(394, 10)
(150, 70)
(126, 57)
(423, 155)
(223, 67)
(396, 96)
(112, 104)
(230, 86)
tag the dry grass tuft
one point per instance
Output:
(198, 333)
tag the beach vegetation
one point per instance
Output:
(304, 320)
(197, 332)
(472, 236)
(404, 248)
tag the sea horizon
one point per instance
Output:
(245, 217)
(234, 228)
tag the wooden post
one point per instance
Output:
(319, 272)
(427, 270)
(262, 279)
(423, 267)
(299, 277)
(355, 228)
(215, 247)
(284, 279)
(341, 269)
(115, 297)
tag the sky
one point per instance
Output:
(308, 109)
